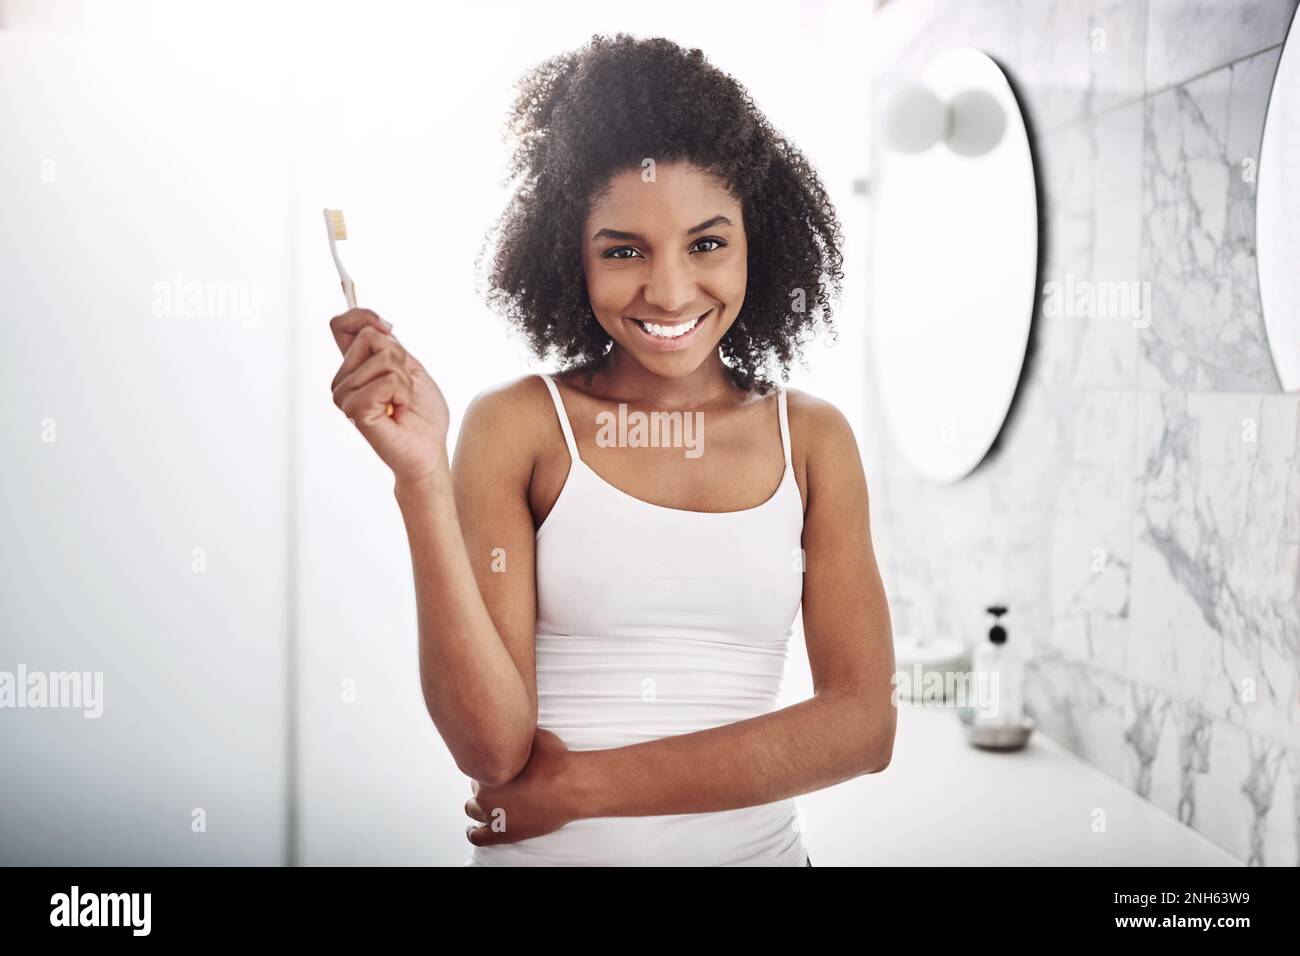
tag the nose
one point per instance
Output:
(671, 286)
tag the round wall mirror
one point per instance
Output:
(1277, 217)
(955, 267)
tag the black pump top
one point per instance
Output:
(997, 633)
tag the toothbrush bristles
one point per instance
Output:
(337, 225)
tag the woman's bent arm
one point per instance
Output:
(830, 738)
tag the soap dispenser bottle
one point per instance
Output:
(999, 678)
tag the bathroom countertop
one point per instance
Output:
(942, 802)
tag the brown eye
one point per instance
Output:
(610, 254)
(717, 242)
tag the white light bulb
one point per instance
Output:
(917, 119)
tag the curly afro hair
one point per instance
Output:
(581, 117)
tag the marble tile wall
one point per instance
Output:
(1140, 512)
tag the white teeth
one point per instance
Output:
(670, 331)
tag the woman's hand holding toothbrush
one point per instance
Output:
(376, 371)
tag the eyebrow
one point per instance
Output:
(634, 237)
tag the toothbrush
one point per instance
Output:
(338, 230)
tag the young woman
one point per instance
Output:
(604, 621)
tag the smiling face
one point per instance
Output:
(665, 263)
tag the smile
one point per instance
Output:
(672, 336)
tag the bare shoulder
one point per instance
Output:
(523, 395)
(508, 420)
(825, 449)
(819, 432)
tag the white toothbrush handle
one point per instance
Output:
(345, 280)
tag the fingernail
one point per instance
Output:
(387, 324)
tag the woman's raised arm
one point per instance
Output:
(471, 538)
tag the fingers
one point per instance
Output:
(374, 368)
(366, 343)
(368, 404)
(474, 811)
(360, 368)
(345, 327)
(371, 354)
(474, 833)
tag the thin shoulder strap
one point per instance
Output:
(564, 417)
(785, 425)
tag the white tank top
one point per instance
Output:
(655, 621)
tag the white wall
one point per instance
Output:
(129, 160)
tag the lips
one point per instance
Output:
(670, 343)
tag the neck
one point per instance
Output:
(620, 377)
